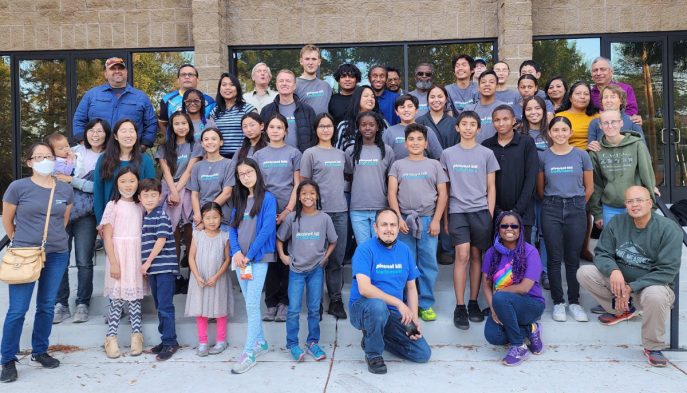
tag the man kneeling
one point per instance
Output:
(636, 258)
(382, 269)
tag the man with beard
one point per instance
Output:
(423, 81)
(385, 98)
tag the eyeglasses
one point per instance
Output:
(243, 175)
(192, 102)
(636, 201)
(419, 73)
(610, 123)
(325, 127)
(96, 131)
(187, 75)
(39, 158)
(511, 226)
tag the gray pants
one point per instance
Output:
(655, 301)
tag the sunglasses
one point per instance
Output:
(511, 226)
(425, 74)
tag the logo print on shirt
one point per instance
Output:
(333, 164)
(388, 268)
(415, 176)
(399, 140)
(315, 94)
(368, 162)
(312, 235)
(561, 169)
(210, 177)
(465, 168)
(275, 164)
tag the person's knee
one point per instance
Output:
(423, 354)
(494, 334)
(655, 297)
(462, 257)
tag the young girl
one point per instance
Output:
(280, 165)
(565, 183)
(368, 163)
(121, 223)
(324, 164)
(363, 100)
(312, 240)
(210, 293)
(194, 105)
(177, 157)
(438, 119)
(252, 235)
(253, 137)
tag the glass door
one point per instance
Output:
(677, 56)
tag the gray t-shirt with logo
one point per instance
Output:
(417, 184)
(563, 174)
(277, 165)
(462, 97)
(209, 179)
(484, 112)
(395, 136)
(368, 188)
(326, 168)
(288, 111)
(508, 96)
(308, 238)
(467, 171)
(184, 155)
(314, 92)
(423, 107)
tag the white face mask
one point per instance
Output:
(127, 194)
(45, 167)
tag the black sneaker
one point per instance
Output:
(9, 372)
(460, 317)
(46, 360)
(167, 352)
(156, 349)
(474, 312)
(376, 365)
(336, 308)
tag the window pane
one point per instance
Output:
(362, 57)
(6, 140)
(89, 73)
(570, 58)
(43, 86)
(276, 59)
(156, 72)
(440, 56)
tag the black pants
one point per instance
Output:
(277, 284)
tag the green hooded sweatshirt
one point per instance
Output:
(618, 167)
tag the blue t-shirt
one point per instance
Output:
(157, 224)
(388, 268)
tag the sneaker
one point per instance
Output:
(316, 352)
(545, 281)
(156, 349)
(598, 310)
(297, 353)
(376, 365)
(474, 312)
(166, 352)
(336, 308)
(245, 363)
(261, 349)
(559, 313)
(427, 314)
(61, 313)
(269, 314)
(460, 317)
(202, 350)
(81, 313)
(445, 259)
(578, 313)
(218, 348)
(655, 358)
(45, 360)
(611, 319)
(516, 355)
(536, 345)
(282, 310)
(9, 372)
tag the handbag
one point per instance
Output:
(83, 202)
(22, 265)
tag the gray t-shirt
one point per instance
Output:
(563, 174)
(395, 136)
(508, 97)
(368, 189)
(314, 92)
(417, 184)
(209, 179)
(467, 171)
(487, 129)
(31, 201)
(184, 155)
(308, 237)
(326, 168)
(423, 107)
(288, 111)
(247, 231)
(277, 166)
(462, 97)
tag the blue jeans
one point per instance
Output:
(538, 234)
(311, 282)
(82, 232)
(20, 298)
(252, 290)
(382, 329)
(361, 221)
(517, 313)
(162, 287)
(610, 212)
(333, 268)
(424, 252)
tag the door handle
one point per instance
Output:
(678, 136)
(663, 136)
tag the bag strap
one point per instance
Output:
(47, 217)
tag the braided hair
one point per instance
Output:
(518, 254)
(358, 147)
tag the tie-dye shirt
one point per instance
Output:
(504, 273)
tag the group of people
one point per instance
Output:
(270, 185)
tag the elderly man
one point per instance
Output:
(116, 100)
(261, 94)
(423, 82)
(187, 78)
(384, 274)
(636, 259)
(602, 75)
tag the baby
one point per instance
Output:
(65, 159)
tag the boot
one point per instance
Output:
(136, 344)
(112, 347)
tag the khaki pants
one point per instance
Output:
(655, 301)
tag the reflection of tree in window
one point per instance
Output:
(441, 55)
(6, 146)
(89, 73)
(564, 58)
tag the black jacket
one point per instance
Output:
(305, 117)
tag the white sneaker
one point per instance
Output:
(61, 313)
(559, 313)
(81, 314)
(578, 313)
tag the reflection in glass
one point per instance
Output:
(6, 126)
(570, 58)
(680, 110)
(441, 55)
(156, 72)
(89, 73)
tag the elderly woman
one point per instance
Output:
(613, 98)
(24, 211)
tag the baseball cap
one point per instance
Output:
(113, 61)
(480, 60)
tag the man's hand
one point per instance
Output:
(418, 336)
(406, 314)
(617, 283)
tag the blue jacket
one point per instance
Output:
(100, 102)
(266, 228)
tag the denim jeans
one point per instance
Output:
(162, 288)
(19, 301)
(610, 212)
(424, 252)
(382, 329)
(82, 232)
(333, 270)
(252, 290)
(564, 221)
(517, 313)
(538, 235)
(311, 283)
(361, 221)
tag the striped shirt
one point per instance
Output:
(157, 224)
(229, 124)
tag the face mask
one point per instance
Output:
(45, 167)
(127, 194)
(385, 244)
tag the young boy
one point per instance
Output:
(471, 171)
(159, 259)
(309, 88)
(485, 106)
(417, 193)
(394, 136)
